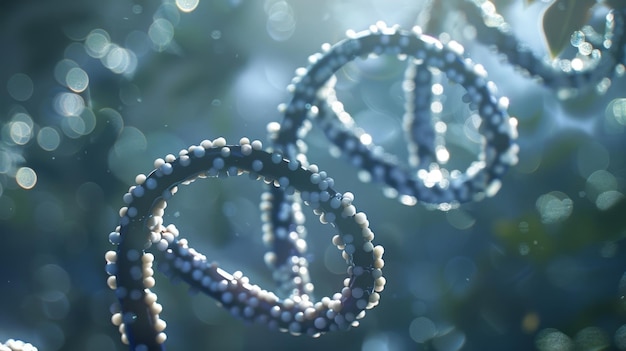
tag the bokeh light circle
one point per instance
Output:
(77, 80)
(26, 177)
(20, 87)
(187, 5)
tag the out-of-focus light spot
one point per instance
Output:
(430, 177)
(620, 337)
(381, 127)
(137, 9)
(54, 335)
(584, 49)
(617, 110)
(6, 161)
(608, 250)
(530, 322)
(470, 128)
(577, 64)
(187, 5)
(281, 21)
(565, 65)
(529, 162)
(427, 287)
(112, 118)
(52, 277)
(97, 43)
(130, 94)
(554, 207)
(523, 227)
(622, 287)
(169, 11)
(599, 182)
(76, 52)
(524, 249)
(566, 273)
(550, 339)
(422, 329)
(380, 342)
(608, 199)
(55, 304)
(26, 177)
(591, 157)
(208, 313)
(577, 38)
(137, 42)
(48, 138)
(436, 107)
(216, 34)
(23, 117)
(460, 219)
(62, 68)
(131, 138)
(603, 86)
(20, 132)
(441, 127)
(161, 32)
(453, 340)
(334, 263)
(443, 155)
(120, 60)
(73, 127)
(592, 338)
(89, 120)
(83, 124)
(437, 89)
(77, 80)
(365, 139)
(69, 104)
(20, 87)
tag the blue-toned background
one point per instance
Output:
(93, 91)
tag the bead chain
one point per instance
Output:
(141, 226)
(611, 49)
(142, 237)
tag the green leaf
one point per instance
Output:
(561, 19)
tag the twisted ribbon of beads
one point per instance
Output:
(608, 54)
(142, 237)
(435, 186)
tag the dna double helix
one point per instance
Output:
(142, 238)
(144, 242)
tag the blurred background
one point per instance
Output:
(93, 92)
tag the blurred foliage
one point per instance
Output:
(539, 266)
(561, 19)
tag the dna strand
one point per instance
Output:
(142, 238)
(445, 189)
